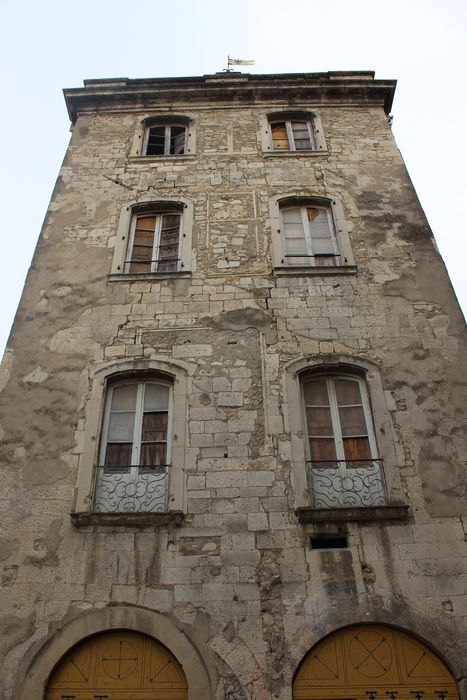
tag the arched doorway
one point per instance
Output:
(118, 666)
(370, 662)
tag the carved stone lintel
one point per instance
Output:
(174, 518)
(326, 515)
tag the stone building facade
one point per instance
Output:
(232, 406)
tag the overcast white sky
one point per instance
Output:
(53, 44)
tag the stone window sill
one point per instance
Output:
(141, 276)
(321, 270)
(327, 515)
(174, 518)
(158, 159)
(296, 154)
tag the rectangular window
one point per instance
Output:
(289, 135)
(166, 139)
(154, 243)
(309, 237)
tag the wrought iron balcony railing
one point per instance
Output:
(347, 483)
(131, 489)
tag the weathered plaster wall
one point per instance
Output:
(238, 577)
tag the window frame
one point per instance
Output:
(337, 435)
(136, 443)
(390, 451)
(307, 233)
(155, 262)
(344, 260)
(138, 151)
(167, 139)
(292, 141)
(123, 240)
(315, 126)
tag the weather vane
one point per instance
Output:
(237, 62)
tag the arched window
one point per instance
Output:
(135, 451)
(342, 457)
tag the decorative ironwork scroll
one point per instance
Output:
(347, 483)
(131, 489)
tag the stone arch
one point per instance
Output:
(40, 663)
(369, 658)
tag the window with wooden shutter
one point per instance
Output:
(292, 135)
(154, 243)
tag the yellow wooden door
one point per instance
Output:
(118, 666)
(372, 662)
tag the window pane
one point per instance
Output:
(352, 421)
(177, 139)
(279, 137)
(296, 246)
(143, 242)
(153, 454)
(154, 427)
(348, 392)
(156, 139)
(316, 393)
(118, 455)
(322, 449)
(292, 215)
(319, 421)
(323, 246)
(121, 426)
(357, 448)
(169, 242)
(124, 397)
(318, 222)
(301, 136)
(156, 396)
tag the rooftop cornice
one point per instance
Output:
(354, 87)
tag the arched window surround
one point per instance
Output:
(343, 262)
(124, 239)
(326, 365)
(168, 119)
(287, 116)
(43, 655)
(178, 374)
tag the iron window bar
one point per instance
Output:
(142, 468)
(348, 463)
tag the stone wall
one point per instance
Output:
(238, 577)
